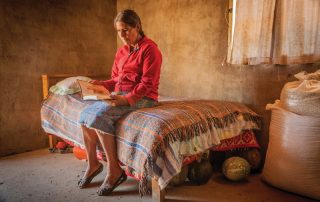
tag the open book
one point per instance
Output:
(91, 91)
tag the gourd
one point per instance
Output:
(180, 178)
(236, 168)
(200, 172)
(253, 156)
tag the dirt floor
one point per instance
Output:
(43, 176)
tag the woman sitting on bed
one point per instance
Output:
(134, 81)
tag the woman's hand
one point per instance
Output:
(119, 100)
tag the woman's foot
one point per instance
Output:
(89, 175)
(110, 183)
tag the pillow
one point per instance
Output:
(68, 85)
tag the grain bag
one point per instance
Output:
(303, 96)
(293, 155)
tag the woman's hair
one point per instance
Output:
(131, 18)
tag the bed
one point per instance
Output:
(154, 142)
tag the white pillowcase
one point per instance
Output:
(68, 85)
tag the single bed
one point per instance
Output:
(153, 142)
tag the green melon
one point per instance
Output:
(236, 168)
(200, 172)
(180, 178)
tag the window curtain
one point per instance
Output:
(297, 32)
(251, 37)
(275, 31)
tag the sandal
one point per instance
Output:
(105, 190)
(84, 182)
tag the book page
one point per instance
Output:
(91, 91)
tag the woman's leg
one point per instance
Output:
(114, 171)
(90, 139)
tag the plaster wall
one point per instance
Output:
(193, 38)
(46, 37)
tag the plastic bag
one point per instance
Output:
(293, 155)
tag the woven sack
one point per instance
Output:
(293, 155)
(303, 96)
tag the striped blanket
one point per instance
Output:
(152, 141)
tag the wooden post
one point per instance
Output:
(45, 85)
(45, 92)
(157, 193)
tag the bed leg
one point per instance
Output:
(45, 92)
(50, 142)
(157, 193)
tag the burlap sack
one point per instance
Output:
(293, 156)
(303, 96)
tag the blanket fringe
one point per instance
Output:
(188, 132)
(144, 188)
(143, 185)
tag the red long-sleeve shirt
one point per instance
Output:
(136, 72)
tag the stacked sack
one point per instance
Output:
(293, 156)
(302, 97)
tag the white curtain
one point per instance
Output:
(297, 32)
(275, 31)
(251, 39)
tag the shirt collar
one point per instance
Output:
(137, 47)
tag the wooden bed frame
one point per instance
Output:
(158, 195)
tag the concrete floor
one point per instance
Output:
(42, 176)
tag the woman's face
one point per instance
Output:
(127, 34)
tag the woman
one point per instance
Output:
(134, 81)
